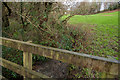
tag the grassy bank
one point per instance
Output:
(104, 29)
(101, 18)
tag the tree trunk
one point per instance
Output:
(5, 14)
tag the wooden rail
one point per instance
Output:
(107, 66)
(21, 70)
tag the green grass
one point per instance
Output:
(105, 38)
(100, 18)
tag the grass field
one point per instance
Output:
(101, 18)
(105, 39)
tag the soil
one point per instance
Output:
(110, 11)
(107, 15)
(52, 68)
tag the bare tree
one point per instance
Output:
(6, 11)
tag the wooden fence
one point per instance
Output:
(107, 66)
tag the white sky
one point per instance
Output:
(71, 4)
(59, 0)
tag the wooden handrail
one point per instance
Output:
(83, 60)
(21, 70)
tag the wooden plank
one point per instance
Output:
(27, 60)
(83, 60)
(21, 70)
(25, 56)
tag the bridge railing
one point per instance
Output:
(107, 66)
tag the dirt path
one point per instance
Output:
(52, 68)
(107, 15)
(110, 11)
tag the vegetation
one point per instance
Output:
(46, 24)
(105, 29)
(43, 29)
(104, 42)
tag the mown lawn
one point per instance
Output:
(105, 39)
(101, 18)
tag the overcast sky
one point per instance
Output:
(71, 4)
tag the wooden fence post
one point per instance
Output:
(27, 61)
